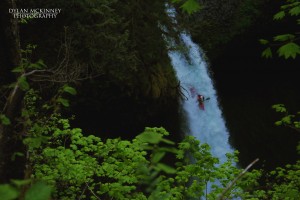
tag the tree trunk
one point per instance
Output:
(11, 42)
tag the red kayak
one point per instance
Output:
(201, 106)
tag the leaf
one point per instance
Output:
(35, 142)
(191, 6)
(41, 63)
(176, 1)
(4, 120)
(279, 108)
(8, 192)
(69, 90)
(295, 11)
(150, 137)
(166, 168)
(279, 15)
(290, 49)
(263, 41)
(64, 102)
(167, 141)
(20, 183)
(39, 191)
(17, 69)
(267, 53)
(23, 84)
(37, 65)
(158, 156)
(284, 37)
(13, 157)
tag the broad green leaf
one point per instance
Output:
(263, 41)
(23, 84)
(64, 102)
(279, 108)
(69, 90)
(191, 6)
(284, 37)
(287, 119)
(290, 49)
(17, 69)
(8, 192)
(35, 142)
(295, 11)
(279, 15)
(39, 191)
(166, 168)
(297, 124)
(13, 157)
(37, 65)
(4, 120)
(41, 63)
(167, 141)
(150, 137)
(20, 183)
(267, 53)
(158, 156)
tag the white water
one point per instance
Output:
(207, 125)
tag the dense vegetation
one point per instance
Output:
(109, 58)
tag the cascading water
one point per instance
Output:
(206, 125)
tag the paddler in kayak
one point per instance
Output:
(200, 99)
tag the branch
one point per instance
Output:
(230, 185)
(92, 191)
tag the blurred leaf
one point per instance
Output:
(35, 142)
(279, 15)
(4, 120)
(63, 101)
(166, 168)
(150, 137)
(39, 191)
(13, 157)
(290, 49)
(23, 84)
(20, 183)
(263, 41)
(8, 192)
(158, 156)
(17, 69)
(267, 53)
(284, 37)
(167, 141)
(69, 90)
(191, 6)
(295, 11)
(279, 108)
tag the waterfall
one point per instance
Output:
(206, 125)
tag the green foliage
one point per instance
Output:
(4, 120)
(289, 120)
(267, 53)
(189, 6)
(7, 192)
(23, 84)
(69, 90)
(85, 167)
(36, 191)
(289, 48)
